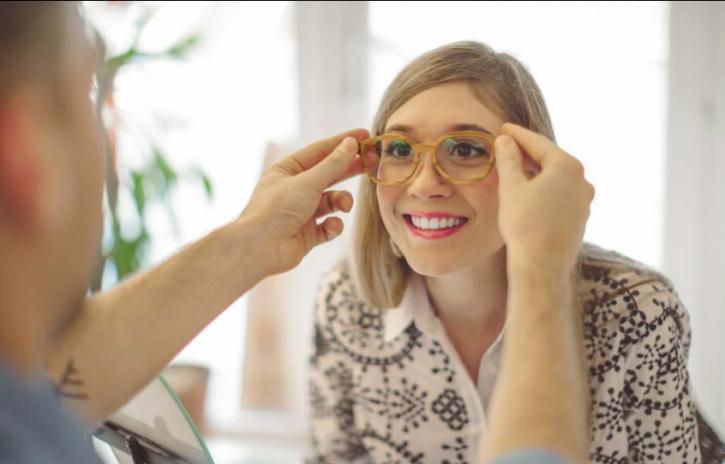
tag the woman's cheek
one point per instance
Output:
(483, 199)
(492, 180)
(386, 204)
(486, 190)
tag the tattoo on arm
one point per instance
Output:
(70, 384)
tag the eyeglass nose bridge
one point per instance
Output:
(419, 149)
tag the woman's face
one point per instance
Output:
(428, 195)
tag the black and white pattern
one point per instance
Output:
(385, 387)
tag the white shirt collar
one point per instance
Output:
(415, 306)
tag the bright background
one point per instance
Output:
(284, 73)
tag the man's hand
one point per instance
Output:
(292, 195)
(542, 219)
(540, 397)
(138, 326)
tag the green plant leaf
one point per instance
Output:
(180, 49)
(114, 63)
(153, 183)
(139, 192)
(208, 188)
(140, 25)
(205, 181)
(169, 174)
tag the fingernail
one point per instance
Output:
(502, 141)
(332, 230)
(349, 145)
(347, 202)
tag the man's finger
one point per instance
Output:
(333, 201)
(328, 171)
(509, 161)
(356, 168)
(311, 155)
(327, 230)
(537, 146)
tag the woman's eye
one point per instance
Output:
(398, 149)
(464, 150)
(468, 150)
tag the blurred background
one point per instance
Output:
(203, 95)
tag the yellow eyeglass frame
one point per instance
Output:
(418, 149)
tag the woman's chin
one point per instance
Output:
(435, 267)
(439, 263)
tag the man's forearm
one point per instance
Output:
(540, 395)
(125, 336)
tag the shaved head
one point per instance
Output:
(51, 176)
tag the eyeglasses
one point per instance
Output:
(460, 157)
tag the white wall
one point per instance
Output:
(217, 109)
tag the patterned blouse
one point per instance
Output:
(388, 386)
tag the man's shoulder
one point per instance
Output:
(34, 427)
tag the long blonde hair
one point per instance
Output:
(501, 82)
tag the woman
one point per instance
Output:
(409, 334)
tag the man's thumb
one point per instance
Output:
(508, 160)
(335, 165)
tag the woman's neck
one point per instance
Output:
(471, 297)
(471, 305)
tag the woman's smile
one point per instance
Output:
(433, 225)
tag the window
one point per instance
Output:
(217, 110)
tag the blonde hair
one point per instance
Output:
(501, 82)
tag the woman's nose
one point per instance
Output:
(427, 182)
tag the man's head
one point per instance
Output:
(50, 160)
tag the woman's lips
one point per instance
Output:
(433, 225)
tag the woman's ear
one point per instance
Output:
(20, 165)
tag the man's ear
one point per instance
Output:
(20, 163)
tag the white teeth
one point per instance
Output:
(435, 223)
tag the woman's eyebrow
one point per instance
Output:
(468, 127)
(400, 128)
(454, 128)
